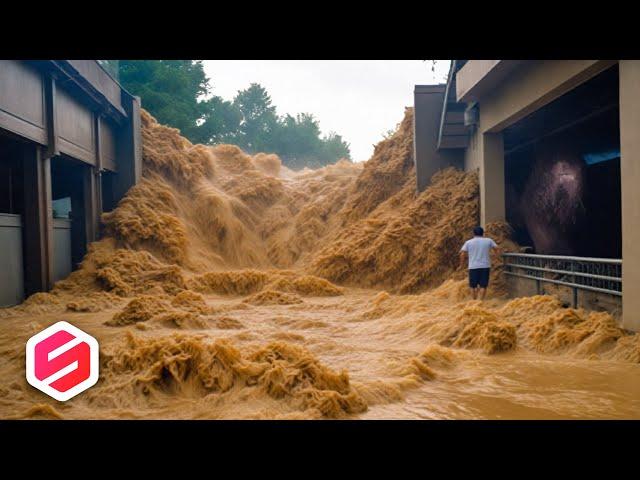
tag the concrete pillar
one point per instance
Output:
(630, 179)
(79, 213)
(98, 200)
(491, 177)
(38, 221)
(84, 206)
(129, 149)
(97, 179)
(89, 192)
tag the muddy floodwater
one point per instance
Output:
(227, 286)
(342, 333)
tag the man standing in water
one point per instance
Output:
(477, 250)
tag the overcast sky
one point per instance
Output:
(358, 99)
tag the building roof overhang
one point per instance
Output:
(476, 78)
(92, 82)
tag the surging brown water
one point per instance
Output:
(230, 287)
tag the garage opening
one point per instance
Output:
(68, 184)
(11, 218)
(562, 173)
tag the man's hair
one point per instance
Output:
(478, 231)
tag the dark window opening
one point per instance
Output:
(11, 220)
(68, 185)
(11, 176)
(108, 203)
(62, 207)
(562, 173)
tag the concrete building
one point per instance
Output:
(556, 145)
(70, 148)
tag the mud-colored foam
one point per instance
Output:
(94, 302)
(181, 320)
(140, 309)
(41, 411)
(479, 328)
(191, 301)
(230, 283)
(273, 297)
(307, 285)
(146, 369)
(278, 280)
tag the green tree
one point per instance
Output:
(258, 119)
(298, 139)
(220, 123)
(178, 93)
(334, 148)
(299, 144)
(171, 90)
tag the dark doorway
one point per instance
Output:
(11, 221)
(107, 180)
(11, 184)
(562, 173)
(68, 184)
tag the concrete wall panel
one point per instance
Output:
(11, 273)
(22, 100)
(428, 103)
(108, 145)
(630, 176)
(61, 248)
(75, 127)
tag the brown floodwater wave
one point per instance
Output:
(228, 286)
(356, 355)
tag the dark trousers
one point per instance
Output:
(479, 277)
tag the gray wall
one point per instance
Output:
(428, 103)
(11, 275)
(61, 248)
(22, 100)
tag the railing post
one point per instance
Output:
(538, 274)
(573, 280)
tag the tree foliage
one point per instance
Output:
(299, 144)
(170, 90)
(178, 93)
(220, 123)
(258, 119)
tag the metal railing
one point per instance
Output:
(602, 275)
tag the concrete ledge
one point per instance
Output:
(476, 77)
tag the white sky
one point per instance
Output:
(358, 99)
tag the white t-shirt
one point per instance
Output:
(478, 249)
